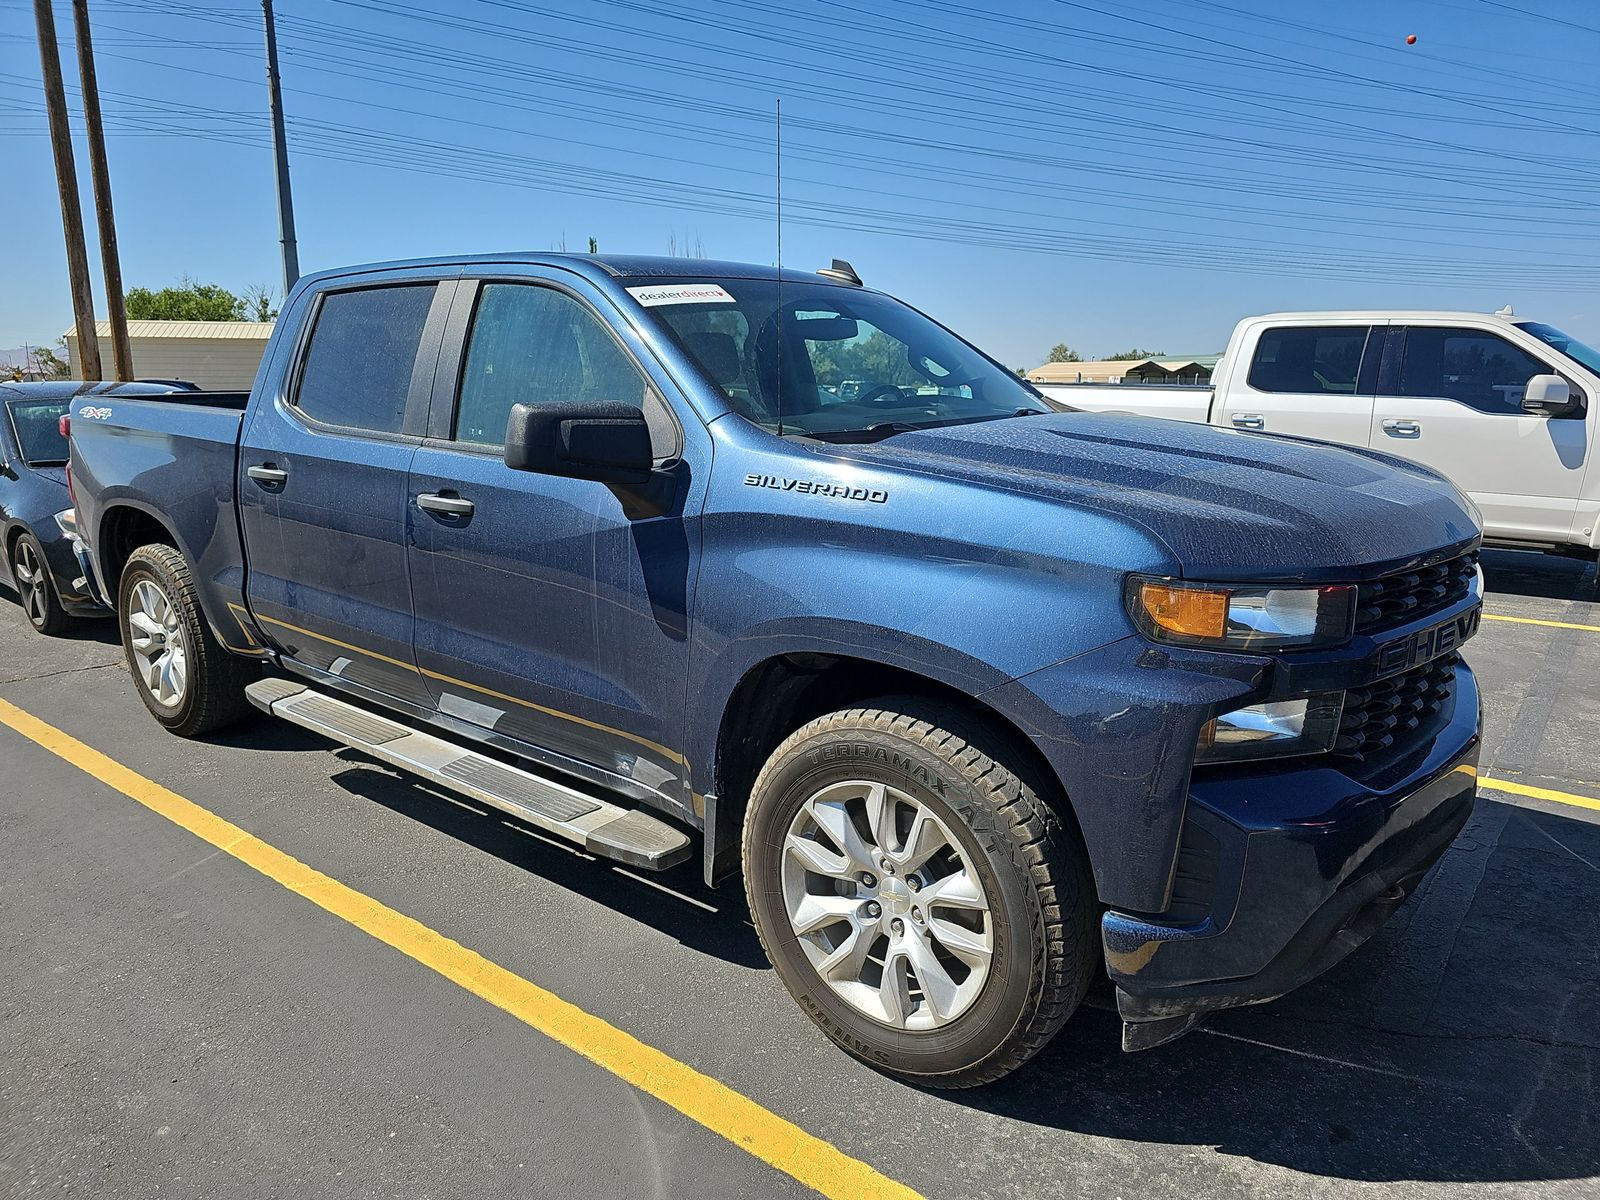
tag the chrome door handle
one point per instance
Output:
(1402, 427)
(1248, 421)
(268, 475)
(445, 505)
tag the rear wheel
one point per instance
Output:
(37, 590)
(187, 680)
(915, 893)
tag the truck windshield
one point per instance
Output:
(37, 426)
(853, 363)
(1570, 346)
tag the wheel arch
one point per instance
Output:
(783, 692)
(125, 526)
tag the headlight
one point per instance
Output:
(1276, 729)
(67, 521)
(1243, 618)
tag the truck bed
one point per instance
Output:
(172, 457)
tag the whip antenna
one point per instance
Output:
(777, 324)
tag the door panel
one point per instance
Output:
(1310, 381)
(1453, 403)
(555, 612)
(324, 505)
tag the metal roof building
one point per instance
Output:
(216, 355)
(1194, 368)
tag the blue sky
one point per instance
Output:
(1104, 172)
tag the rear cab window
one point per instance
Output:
(1328, 360)
(362, 353)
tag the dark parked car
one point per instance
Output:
(35, 507)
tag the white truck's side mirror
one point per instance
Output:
(1547, 396)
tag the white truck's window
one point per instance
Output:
(363, 349)
(534, 345)
(1476, 368)
(1309, 360)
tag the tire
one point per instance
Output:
(927, 759)
(36, 588)
(202, 688)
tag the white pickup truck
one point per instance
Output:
(1505, 407)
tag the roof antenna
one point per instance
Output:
(778, 320)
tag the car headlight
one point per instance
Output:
(1276, 729)
(67, 522)
(1243, 618)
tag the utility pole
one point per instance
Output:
(55, 100)
(110, 262)
(280, 156)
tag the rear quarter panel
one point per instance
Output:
(174, 462)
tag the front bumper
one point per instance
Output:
(1283, 870)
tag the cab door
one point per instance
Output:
(1451, 399)
(554, 611)
(1312, 381)
(323, 469)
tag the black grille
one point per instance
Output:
(1401, 597)
(1381, 715)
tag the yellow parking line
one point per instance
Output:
(1536, 621)
(1539, 793)
(775, 1141)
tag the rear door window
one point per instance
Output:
(1476, 368)
(363, 351)
(1310, 360)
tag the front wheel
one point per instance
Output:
(185, 677)
(915, 893)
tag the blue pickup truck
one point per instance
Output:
(980, 696)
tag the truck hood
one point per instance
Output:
(1228, 504)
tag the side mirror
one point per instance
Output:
(1547, 396)
(602, 440)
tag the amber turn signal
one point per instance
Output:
(1186, 611)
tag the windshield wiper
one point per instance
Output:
(879, 430)
(875, 432)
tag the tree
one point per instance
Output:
(191, 300)
(35, 363)
(47, 365)
(1062, 352)
(1128, 354)
(256, 303)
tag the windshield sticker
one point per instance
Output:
(680, 293)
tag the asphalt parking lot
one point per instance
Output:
(174, 1022)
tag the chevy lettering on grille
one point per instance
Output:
(1415, 649)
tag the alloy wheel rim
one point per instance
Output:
(884, 902)
(29, 574)
(160, 650)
